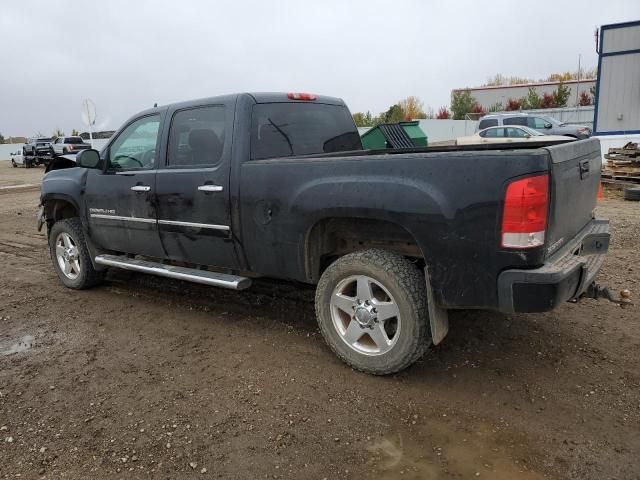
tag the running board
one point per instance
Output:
(206, 277)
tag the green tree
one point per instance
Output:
(532, 100)
(592, 91)
(395, 114)
(360, 119)
(561, 95)
(75, 132)
(496, 107)
(462, 102)
(1, 138)
(58, 133)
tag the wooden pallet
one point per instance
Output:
(623, 169)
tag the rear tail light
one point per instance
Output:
(524, 219)
(309, 97)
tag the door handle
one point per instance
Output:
(210, 188)
(141, 188)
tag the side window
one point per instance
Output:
(515, 133)
(493, 133)
(537, 123)
(196, 136)
(515, 121)
(489, 122)
(135, 147)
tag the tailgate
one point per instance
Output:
(575, 179)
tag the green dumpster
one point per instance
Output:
(394, 135)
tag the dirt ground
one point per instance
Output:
(152, 378)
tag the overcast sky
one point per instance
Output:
(126, 55)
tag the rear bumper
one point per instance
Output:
(564, 276)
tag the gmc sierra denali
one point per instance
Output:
(222, 190)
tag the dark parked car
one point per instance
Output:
(221, 190)
(37, 146)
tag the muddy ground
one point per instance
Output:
(151, 378)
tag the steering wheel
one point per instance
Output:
(130, 158)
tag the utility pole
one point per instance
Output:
(578, 84)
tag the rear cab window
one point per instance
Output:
(295, 128)
(74, 140)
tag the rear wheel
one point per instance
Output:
(632, 193)
(70, 255)
(372, 311)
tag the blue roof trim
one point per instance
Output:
(620, 25)
(617, 132)
(621, 52)
(597, 99)
(610, 54)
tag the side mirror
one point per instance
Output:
(527, 136)
(547, 125)
(88, 158)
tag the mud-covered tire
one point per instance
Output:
(87, 276)
(406, 287)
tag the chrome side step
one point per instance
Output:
(223, 280)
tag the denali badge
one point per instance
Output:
(103, 211)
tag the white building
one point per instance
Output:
(490, 96)
(617, 112)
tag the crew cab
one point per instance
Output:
(222, 190)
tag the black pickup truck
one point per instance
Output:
(222, 190)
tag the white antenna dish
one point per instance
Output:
(89, 116)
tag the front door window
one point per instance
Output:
(135, 148)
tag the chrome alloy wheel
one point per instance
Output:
(68, 256)
(365, 315)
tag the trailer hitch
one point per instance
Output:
(596, 291)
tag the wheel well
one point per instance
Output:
(57, 209)
(334, 237)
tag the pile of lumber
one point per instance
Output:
(623, 162)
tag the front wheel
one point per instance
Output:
(372, 311)
(70, 255)
(13, 163)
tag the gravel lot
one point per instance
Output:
(152, 378)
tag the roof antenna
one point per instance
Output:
(155, 105)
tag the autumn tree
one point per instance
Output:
(513, 104)
(443, 114)
(585, 99)
(547, 101)
(412, 108)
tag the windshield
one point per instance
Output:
(553, 121)
(532, 132)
